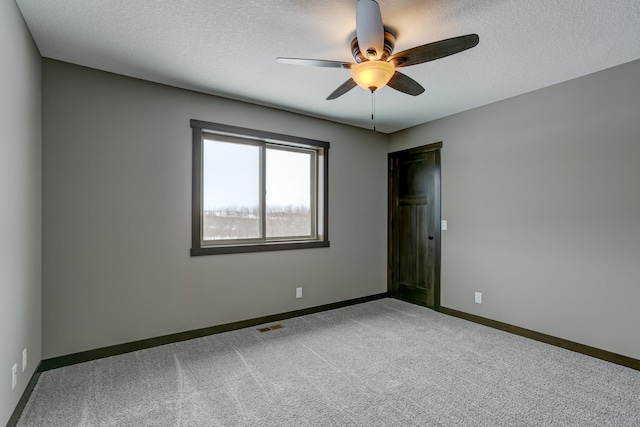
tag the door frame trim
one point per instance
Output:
(438, 206)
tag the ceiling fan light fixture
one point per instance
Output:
(372, 75)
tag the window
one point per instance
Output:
(257, 191)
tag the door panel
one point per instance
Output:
(414, 211)
(424, 277)
(413, 177)
(406, 262)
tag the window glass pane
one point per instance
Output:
(288, 198)
(231, 191)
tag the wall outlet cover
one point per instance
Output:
(443, 224)
(298, 292)
(478, 297)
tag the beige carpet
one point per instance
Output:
(383, 363)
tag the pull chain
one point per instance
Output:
(373, 109)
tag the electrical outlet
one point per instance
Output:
(443, 224)
(478, 297)
(24, 359)
(14, 376)
(298, 292)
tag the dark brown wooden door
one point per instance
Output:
(414, 229)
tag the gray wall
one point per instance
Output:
(117, 206)
(542, 195)
(20, 204)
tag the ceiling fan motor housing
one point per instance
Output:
(389, 44)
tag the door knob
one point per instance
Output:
(430, 237)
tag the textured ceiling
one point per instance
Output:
(228, 48)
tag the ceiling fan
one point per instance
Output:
(375, 64)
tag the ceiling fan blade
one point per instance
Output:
(369, 29)
(405, 84)
(342, 89)
(315, 62)
(435, 50)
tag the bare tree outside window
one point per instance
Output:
(288, 195)
(231, 195)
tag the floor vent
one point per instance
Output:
(271, 328)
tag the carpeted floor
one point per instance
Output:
(383, 363)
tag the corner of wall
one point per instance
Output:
(21, 195)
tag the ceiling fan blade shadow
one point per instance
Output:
(315, 62)
(433, 51)
(342, 89)
(405, 84)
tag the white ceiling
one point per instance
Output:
(228, 48)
